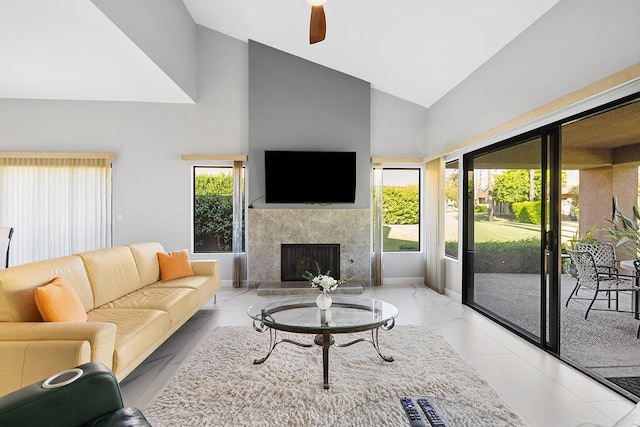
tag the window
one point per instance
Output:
(401, 209)
(214, 208)
(451, 209)
(58, 204)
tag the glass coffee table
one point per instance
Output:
(389, 411)
(347, 314)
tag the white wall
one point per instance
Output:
(151, 184)
(398, 127)
(164, 30)
(576, 43)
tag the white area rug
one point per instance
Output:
(218, 384)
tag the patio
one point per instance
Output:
(605, 343)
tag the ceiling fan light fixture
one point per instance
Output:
(318, 26)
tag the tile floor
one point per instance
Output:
(543, 390)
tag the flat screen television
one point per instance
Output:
(310, 176)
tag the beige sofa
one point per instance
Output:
(130, 312)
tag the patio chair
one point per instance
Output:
(590, 278)
(604, 255)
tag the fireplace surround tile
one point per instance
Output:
(267, 229)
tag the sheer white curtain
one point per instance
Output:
(434, 212)
(378, 250)
(238, 227)
(58, 204)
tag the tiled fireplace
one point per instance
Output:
(269, 229)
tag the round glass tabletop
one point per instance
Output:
(347, 313)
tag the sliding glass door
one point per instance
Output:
(601, 160)
(532, 198)
(510, 252)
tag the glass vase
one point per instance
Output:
(323, 301)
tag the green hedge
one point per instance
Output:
(401, 205)
(451, 248)
(481, 209)
(214, 219)
(214, 184)
(528, 212)
(522, 256)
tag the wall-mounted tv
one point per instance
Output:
(310, 176)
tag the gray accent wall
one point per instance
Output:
(295, 104)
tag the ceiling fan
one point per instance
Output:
(318, 26)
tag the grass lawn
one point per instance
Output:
(507, 230)
(498, 230)
(391, 244)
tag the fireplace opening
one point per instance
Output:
(297, 258)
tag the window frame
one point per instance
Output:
(234, 200)
(420, 171)
(447, 164)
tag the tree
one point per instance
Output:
(451, 188)
(520, 185)
(513, 185)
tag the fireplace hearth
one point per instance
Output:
(296, 259)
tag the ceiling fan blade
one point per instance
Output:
(318, 27)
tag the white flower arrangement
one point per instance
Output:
(323, 281)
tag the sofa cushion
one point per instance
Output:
(174, 265)
(205, 286)
(138, 330)
(18, 284)
(57, 301)
(175, 301)
(112, 273)
(146, 258)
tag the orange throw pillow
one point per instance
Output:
(57, 301)
(174, 265)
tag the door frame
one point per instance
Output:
(549, 313)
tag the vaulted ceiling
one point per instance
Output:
(417, 50)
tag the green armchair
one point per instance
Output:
(88, 395)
